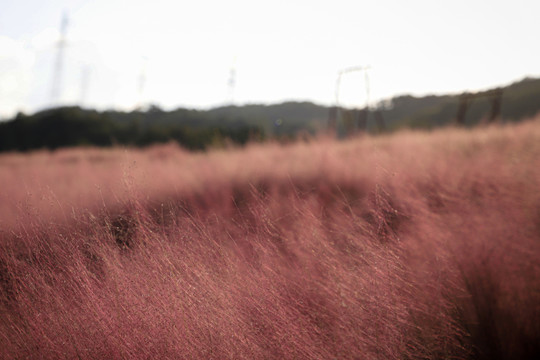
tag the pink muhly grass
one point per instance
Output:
(416, 245)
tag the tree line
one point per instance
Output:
(200, 129)
(73, 126)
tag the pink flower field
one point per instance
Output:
(417, 245)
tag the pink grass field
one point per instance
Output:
(411, 246)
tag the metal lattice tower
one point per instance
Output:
(56, 90)
(142, 83)
(350, 70)
(85, 83)
(466, 99)
(231, 83)
(336, 113)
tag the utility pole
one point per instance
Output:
(56, 90)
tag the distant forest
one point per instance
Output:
(198, 130)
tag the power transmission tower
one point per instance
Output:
(85, 83)
(466, 99)
(231, 83)
(350, 70)
(56, 90)
(349, 117)
(142, 83)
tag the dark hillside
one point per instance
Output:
(279, 119)
(200, 129)
(519, 100)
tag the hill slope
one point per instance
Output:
(197, 129)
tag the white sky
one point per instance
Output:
(281, 50)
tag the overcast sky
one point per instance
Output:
(120, 54)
